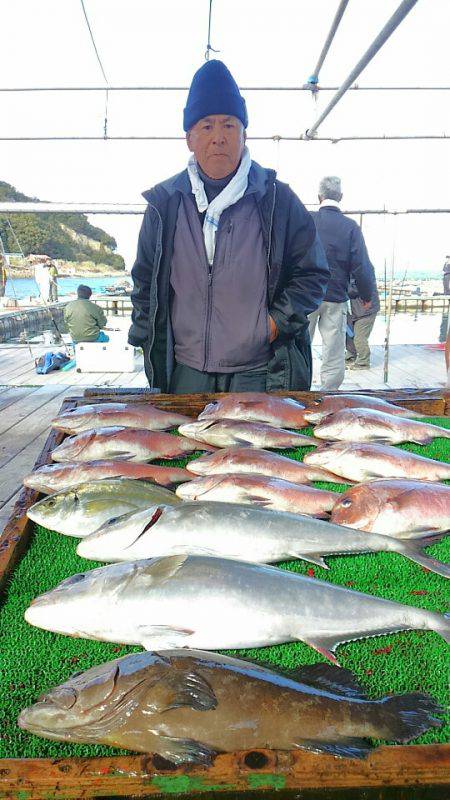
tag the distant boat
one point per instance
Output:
(119, 289)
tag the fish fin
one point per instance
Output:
(163, 637)
(409, 715)
(243, 443)
(427, 536)
(415, 553)
(331, 678)
(442, 626)
(159, 570)
(259, 501)
(350, 747)
(323, 646)
(181, 751)
(312, 558)
(425, 440)
(379, 440)
(191, 690)
(120, 455)
(99, 690)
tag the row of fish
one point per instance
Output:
(122, 520)
(188, 564)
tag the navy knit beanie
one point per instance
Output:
(213, 91)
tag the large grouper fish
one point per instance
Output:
(329, 404)
(283, 412)
(368, 425)
(227, 432)
(230, 530)
(52, 478)
(187, 706)
(395, 507)
(361, 461)
(79, 511)
(130, 444)
(216, 603)
(129, 415)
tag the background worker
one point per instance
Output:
(347, 256)
(3, 275)
(84, 318)
(53, 282)
(446, 275)
(361, 321)
(229, 264)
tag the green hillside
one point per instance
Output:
(70, 237)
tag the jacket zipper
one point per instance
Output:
(159, 252)
(209, 299)
(269, 244)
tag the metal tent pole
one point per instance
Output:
(389, 311)
(313, 79)
(403, 9)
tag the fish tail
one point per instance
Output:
(412, 549)
(406, 716)
(441, 625)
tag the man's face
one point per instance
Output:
(217, 143)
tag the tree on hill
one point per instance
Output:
(43, 233)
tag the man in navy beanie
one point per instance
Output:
(228, 264)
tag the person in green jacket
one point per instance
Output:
(85, 319)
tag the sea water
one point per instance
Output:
(27, 287)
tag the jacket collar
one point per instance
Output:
(333, 205)
(258, 179)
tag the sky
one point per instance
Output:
(162, 42)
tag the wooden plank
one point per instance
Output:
(27, 403)
(11, 446)
(139, 776)
(427, 401)
(15, 536)
(11, 394)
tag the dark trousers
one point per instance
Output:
(186, 380)
(446, 282)
(358, 348)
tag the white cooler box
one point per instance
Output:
(113, 356)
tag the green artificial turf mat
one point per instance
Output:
(33, 660)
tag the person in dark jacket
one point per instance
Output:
(360, 321)
(347, 256)
(228, 264)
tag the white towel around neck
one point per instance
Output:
(232, 192)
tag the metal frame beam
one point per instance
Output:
(404, 8)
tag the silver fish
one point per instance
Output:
(150, 702)
(216, 603)
(251, 459)
(261, 490)
(361, 462)
(368, 425)
(230, 530)
(227, 432)
(329, 404)
(81, 510)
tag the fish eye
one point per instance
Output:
(76, 499)
(113, 520)
(346, 503)
(51, 502)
